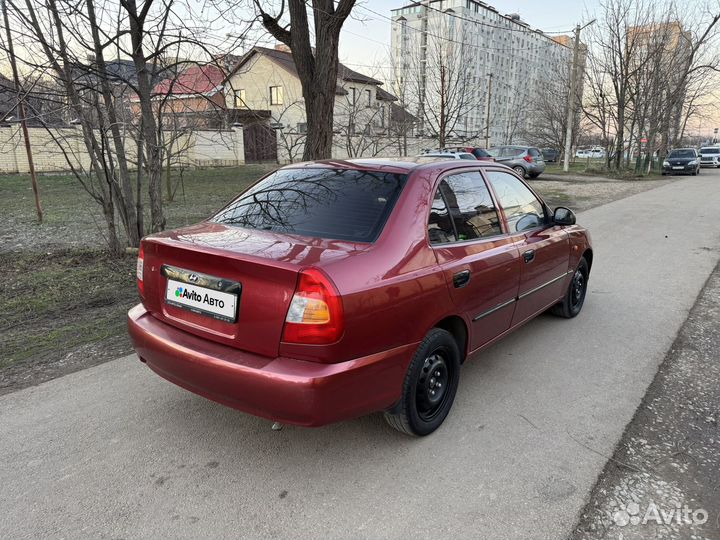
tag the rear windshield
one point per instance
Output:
(682, 154)
(323, 203)
(710, 150)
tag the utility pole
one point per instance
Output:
(21, 112)
(571, 97)
(441, 134)
(487, 113)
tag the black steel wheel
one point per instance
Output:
(574, 298)
(430, 385)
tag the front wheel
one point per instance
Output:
(429, 387)
(574, 298)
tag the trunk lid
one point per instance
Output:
(193, 275)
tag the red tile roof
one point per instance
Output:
(198, 80)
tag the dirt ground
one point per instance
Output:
(63, 300)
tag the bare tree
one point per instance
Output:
(317, 66)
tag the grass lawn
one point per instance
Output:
(63, 299)
(596, 167)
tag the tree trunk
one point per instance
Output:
(126, 196)
(153, 154)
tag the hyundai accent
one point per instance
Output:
(334, 289)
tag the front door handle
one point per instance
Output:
(529, 255)
(461, 279)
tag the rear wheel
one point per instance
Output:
(520, 170)
(534, 175)
(429, 387)
(574, 298)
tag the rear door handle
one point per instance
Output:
(529, 255)
(461, 279)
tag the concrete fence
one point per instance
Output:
(55, 149)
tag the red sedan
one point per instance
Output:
(334, 289)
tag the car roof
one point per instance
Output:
(400, 165)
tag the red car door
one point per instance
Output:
(544, 248)
(480, 262)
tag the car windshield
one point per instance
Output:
(710, 151)
(467, 156)
(684, 153)
(324, 203)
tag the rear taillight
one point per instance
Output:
(315, 316)
(528, 158)
(139, 271)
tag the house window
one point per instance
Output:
(240, 98)
(368, 94)
(276, 95)
(353, 95)
(302, 127)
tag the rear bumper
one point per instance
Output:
(283, 389)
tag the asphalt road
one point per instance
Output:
(116, 452)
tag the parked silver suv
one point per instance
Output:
(710, 156)
(527, 161)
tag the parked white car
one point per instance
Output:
(449, 155)
(710, 156)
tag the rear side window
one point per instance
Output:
(470, 207)
(523, 210)
(511, 152)
(337, 204)
(440, 227)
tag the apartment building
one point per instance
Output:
(474, 59)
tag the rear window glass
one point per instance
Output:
(324, 203)
(682, 154)
(479, 152)
(710, 151)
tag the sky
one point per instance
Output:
(366, 36)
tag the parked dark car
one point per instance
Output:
(682, 161)
(551, 155)
(330, 290)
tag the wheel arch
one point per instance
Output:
(457, 327)
(588, 256)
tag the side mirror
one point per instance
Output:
(563, 216)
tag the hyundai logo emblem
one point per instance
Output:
(193, 278)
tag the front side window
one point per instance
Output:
(522, 208)
(470, 206)
(337, 204)
(276, 95)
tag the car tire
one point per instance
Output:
(574, 298)
(435, 368)
(520, 171)
(534, 175)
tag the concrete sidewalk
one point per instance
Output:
(114, 451)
